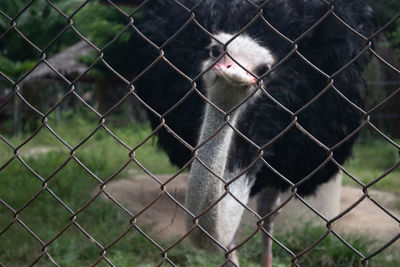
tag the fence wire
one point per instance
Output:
(164, 190)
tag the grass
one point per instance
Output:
(371, 158)
(329, 252)
(101, 152)
(105, 222)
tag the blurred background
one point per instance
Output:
(100, 23)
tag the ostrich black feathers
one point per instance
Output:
(328, 46)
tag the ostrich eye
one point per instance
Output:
(215, 51)
(262, 69)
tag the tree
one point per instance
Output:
(386, 10)
(41, 23)
(48, 30)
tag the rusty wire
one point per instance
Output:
(130, 91)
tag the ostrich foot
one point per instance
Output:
(233, 258)
(266, 260)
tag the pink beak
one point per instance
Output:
(233, 73)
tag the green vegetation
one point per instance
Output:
(101, 153)
(41, 24)
(74, 186)
(385, 10)
(329, 252)
(104, 221)
(371, 158)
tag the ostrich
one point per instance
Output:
(254, 111)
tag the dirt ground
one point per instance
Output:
(165, 219)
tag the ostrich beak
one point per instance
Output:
(234, 74)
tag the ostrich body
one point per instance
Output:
(255, 92)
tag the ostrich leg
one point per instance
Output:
(234, 259)
(268, 200)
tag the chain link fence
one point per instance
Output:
(15, 93)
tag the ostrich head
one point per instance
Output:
(231, 74)
(228, 82)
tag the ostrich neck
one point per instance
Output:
(204, 188)
(214, 152)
